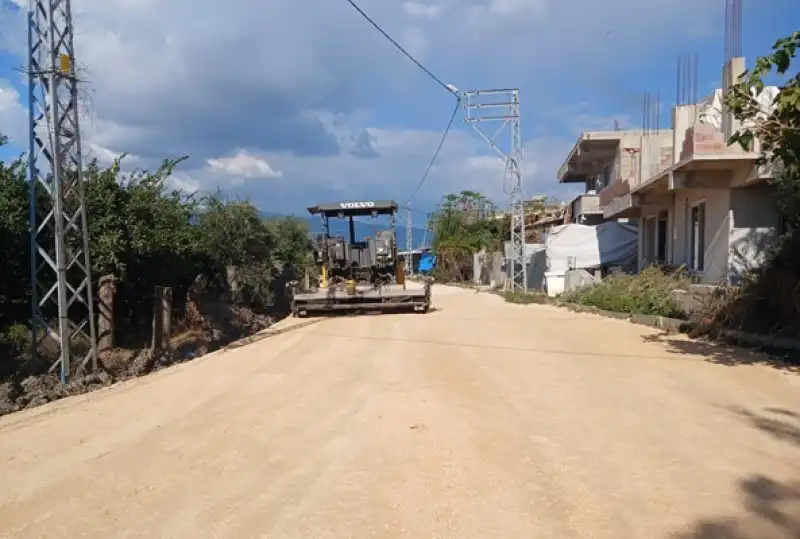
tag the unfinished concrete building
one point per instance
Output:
(608, 164)
(700, 202)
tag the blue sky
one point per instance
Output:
(294, 103)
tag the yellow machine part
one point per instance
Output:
(401, 273)
(324, 277)
(351, 287)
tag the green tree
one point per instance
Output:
(146, 235)
(14, 242)
(293, 246)
(462, 226)
(778, 129)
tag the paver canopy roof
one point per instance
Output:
(355, 207)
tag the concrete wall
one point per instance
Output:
(717, 230)
(535, 263)
(498, 269)
(655, 154)
(579, 277)
(588, 203)
(755, 224)
(488, 269)
(740, 225)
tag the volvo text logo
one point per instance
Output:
(354, 205)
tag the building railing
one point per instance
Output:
(705, 139)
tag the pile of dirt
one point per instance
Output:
(210, 323)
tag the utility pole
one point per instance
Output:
(505, 103)
(409, 263)
(61, 282)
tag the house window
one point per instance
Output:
(654, 237)
(661, 237)
(649, 236)
(592, 185)
(697, 240)
(606, 176)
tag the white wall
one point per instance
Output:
(717, 230)
(755, 224)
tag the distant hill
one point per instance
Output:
(363, 229)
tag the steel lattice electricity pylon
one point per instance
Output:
(409, 262)
(60, 265)
(506, 104)
(424, 242)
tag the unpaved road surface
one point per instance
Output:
(479, 420)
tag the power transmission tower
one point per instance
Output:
(409, 263)
(425, 235)
(505, 103)
(60, 264)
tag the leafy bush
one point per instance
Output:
(649, 292)
(767, 302)
(146, 235)
(526, 299)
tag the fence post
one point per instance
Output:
(105, 322)
(162, 318)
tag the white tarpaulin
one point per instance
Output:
(710, 108)
(607, 244)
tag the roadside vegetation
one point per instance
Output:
(226, 265)
(649, 292)
(463, 225)
(522, 298)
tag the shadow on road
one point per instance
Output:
(491, 346)
(771, 511)
(726, 354)
(771, 507)
(777, 422)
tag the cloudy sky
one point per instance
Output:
(291, 102)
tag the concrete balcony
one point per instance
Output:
(586, 204)
(616, 200)
(584, 209)
(592, 152)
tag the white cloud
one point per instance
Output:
(105, 156)
(243, 164)
(183, 182)
(312, 92)
(423, 10)
(13, 118)
(415, 41)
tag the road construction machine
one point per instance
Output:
(364, 275)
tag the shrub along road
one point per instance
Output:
(478, 420)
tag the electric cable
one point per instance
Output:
(450, 89)
(436, 153)
(401, 49)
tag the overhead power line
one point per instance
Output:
(436, 153)
(450, 89)
(401, 49)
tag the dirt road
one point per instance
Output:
(479, 420)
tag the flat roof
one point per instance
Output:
(355, 208)
(588, 136)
